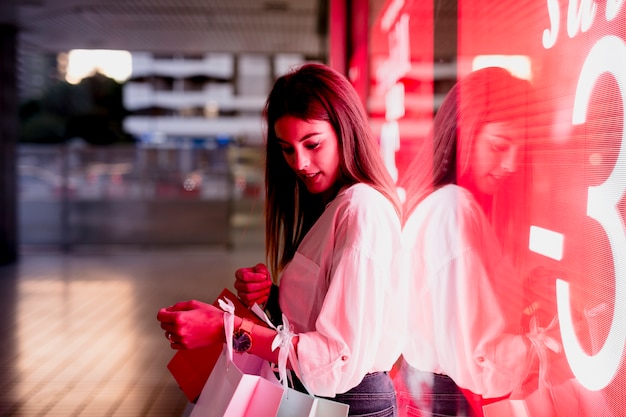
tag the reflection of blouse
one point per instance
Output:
(340, 292)
(465, 299)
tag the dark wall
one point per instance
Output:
(8, 139)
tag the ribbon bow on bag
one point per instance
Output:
(528, 403)
(293, 402)
(283, 341)
(541, 343)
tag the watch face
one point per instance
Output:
(241, 341)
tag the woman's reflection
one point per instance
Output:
(461, 236)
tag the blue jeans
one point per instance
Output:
(448, 399)
(375, 396)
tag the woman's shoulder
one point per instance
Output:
(363, 200)
(364, 218)
(363, 195)
(451, 198)
(360, 190)
(448, 221)
(449, 204)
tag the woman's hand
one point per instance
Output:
(192, 324)
(253, 284)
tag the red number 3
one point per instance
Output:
(596, 371)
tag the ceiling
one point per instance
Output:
(170, 26)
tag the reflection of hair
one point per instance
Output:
(484, 96)
(315, 92)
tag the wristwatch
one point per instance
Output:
(242, 337)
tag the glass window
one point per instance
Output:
(546, 165)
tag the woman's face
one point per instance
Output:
(494, 157)
(311, 149)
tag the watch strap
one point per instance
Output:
(246, 326)
(242, 337)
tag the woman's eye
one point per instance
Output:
(499, 146)
(287, 151)
(313, 145)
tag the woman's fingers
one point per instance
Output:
(192, 324)
(253, 284)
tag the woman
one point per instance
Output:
(332, 238)
(466, 297)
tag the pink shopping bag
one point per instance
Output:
(243, 385)
(239, 388)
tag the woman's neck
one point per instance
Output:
(330, 194)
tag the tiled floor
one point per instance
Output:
(79, 330)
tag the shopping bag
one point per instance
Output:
(191, 367)
(239, 388)
(296, 403)
(547, 393)
(244, 388)
(534, 396)
(328, 408)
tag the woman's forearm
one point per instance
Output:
(262, 339)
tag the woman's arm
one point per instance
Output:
(353, 327)
(194, 324)
(477, 347)
(466, 307)
(262, 339)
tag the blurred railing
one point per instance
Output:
(174, 194)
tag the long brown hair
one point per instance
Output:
(484, 96)
(315, 92)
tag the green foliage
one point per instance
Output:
(92, 110)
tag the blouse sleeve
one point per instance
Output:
(477, 303)
(478, 348)
(350, 331)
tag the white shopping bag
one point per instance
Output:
(244, 385)
(239, 388)
(296, 403)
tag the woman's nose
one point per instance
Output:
(510, 160)
(301, 161)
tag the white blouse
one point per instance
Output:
(341, 292)
(465, 298)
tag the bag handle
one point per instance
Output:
(282, 341)
(229, 326)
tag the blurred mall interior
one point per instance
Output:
(106, 219)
